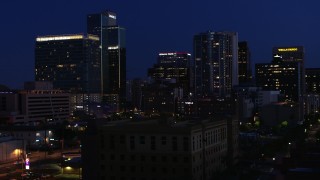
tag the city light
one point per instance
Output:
(58, 38)
(287, 49)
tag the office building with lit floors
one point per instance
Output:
(282, 76)
(70, 62)
(174, 67)
(294, 54)
(159, 150)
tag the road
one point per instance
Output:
(37, 158)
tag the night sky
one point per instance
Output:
(157, 26)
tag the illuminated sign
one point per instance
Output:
(27, 163)
(93, 37)
(167, 54)
(189, 103)
(287, 49)
(113, 47)
(57, 38)
(112, 16)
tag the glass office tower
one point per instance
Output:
(113, 54)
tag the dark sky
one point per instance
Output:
(157, 26)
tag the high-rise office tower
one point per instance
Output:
(71, 62)
(216, 63)
(245, 74)
(280, 75)
(173, 67)
(294, 54)
(113, 53)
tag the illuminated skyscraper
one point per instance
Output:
(70, 62)
(113, 53)
(173, 67)
(280, 75)
(216, 63)
(294, 54)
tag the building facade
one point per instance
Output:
(70, 62)
(294, 54)
(280, 75)
(216, 63)
(155, 150)
(33, 106)
(174, 67)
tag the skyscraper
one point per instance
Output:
(113, 53)
(71, 62)
(174, 67)
(216, 63)
(280, 75)
(294, 54)
(244, 61)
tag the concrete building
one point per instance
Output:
(160, 150)
(33, 106)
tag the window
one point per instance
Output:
(102, 157)
(112, 157)
(185, 143)
(122, 168)
(112, 142)
(174, 144)
(153, 143)
(164, 158)
(132, 144)
(154, 169)
(101, 141)
(164, 170)
(153, 158)
(163, 140)
(174, 159)
(143, 158)
(142, 140)
(122, 157)
(122, 139)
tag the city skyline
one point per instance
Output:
(152, 25)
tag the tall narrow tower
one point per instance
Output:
(113, 54)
